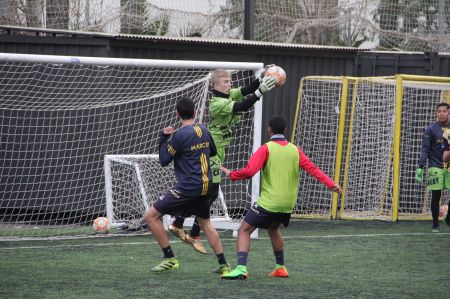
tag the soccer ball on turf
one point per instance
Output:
(443, 210)
(278, 73)
(101, 225)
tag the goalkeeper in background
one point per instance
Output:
(280, 162)
(438, 178)
(446, 158)
(225, 109)
(190, 147)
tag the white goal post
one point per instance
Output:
(65, 118)
(151, 180)
(368, 135)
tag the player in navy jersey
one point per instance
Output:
(438, 178)
(190, 147)
(225, 112)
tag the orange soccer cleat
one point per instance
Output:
(280, 271)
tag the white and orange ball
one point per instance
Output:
(101, 225)
(278, 73)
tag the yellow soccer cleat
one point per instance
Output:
(223, 269)
(196, 243)
(179, 232)
(166, 265)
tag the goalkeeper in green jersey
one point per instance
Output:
(279, 162)
(225, 109)
(432, 156)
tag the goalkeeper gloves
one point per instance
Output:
(262, 72)
(419, 174)
(266, 85)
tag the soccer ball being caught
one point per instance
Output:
(278, 73)
(101, 225)
(443, 210)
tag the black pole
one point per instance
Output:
(249, 19)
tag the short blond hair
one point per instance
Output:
(217, 74)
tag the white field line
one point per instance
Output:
(224, 239)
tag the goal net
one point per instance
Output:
(316, 132)
(368, 137)
(61, 116)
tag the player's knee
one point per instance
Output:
(245, 229)
(205, 224)
(151, 216)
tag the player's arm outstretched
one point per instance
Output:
(260, 86)
(259, 158)
(307, 165)
(246, 90)
(255, 164)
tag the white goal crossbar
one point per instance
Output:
(69, 119)
(157, 63)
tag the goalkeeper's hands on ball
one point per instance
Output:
(266, 85)
(262, 72)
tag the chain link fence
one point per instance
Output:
(408, 25)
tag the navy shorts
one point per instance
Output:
(258, 217)
(178, 205)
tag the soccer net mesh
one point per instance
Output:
(316, 133)
(60, 116)
(133, 182)
(362, 157)
(384, 24)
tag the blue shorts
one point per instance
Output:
(178, 205)
(258, 217)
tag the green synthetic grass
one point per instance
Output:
(338, 259)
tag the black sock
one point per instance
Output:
(435, 198)
(168, 253)
(279, 256)
(178, 222)
(221, 258)
(195, 230)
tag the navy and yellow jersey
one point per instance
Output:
(432, 146)
(190, 147)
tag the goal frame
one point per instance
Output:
(256, 123)
(224, 222)
(344, 139)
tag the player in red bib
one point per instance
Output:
(280, 162)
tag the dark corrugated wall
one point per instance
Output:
(390, 63)
(297, 61)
